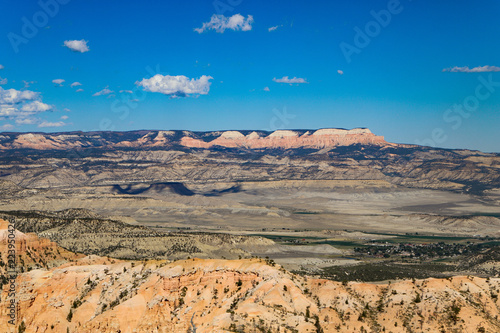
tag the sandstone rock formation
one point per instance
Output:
(31, 252)
(284, 139)
(96, 295)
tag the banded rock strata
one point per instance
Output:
(284, 139)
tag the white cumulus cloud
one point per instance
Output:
(77, 45)
(176, 86)
(105, 91)
(35, 107)
(466, 69)
(58, 82)
(21, 106)
(75, 84)
(13, 96)
(220, 23)
(286, 79)
(7, 111)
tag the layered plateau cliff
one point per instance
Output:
(282, 139)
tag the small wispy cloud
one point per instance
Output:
(27, 121)
(1, 66)
(3, 81)
(58, 82)
(6, 127)
(51, 124)
(79, 90)
(274, 28)
(220, 23)
(267, 89)
(341, 72)
(286, 79)
(27, 84)
(75, 84)
(77, 45)
(64, 117)
(126, 91)
(466, 69)
(105, 91)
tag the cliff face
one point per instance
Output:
(289, 139)
(151, 157)
(96, 295)
(248, 139)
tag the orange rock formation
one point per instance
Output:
(290, 139)
(94, 294)
(283, 139)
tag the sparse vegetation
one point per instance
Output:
(22, 327)
(70, 315)
(453, 312)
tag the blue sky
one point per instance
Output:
(277, 64)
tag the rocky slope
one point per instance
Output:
(82, 231)
(31, 252)
(96, 295)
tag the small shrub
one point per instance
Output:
(22, 327)
(69, 316)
